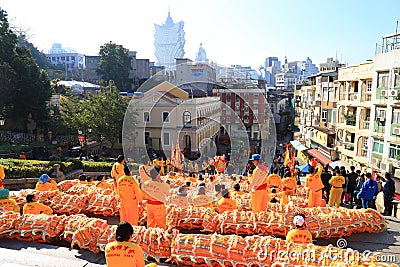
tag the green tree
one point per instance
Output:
(115, 64)
(103, 113)
(40, 57)
(26, 86)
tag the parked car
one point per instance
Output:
(75, 151)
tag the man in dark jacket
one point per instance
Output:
(351, 183)
(325, 177)
(388, 194)
(368, 192)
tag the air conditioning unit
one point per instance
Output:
(386, 166)
(394, 93)
(384, 93)
(375, 162)
(396, 131)
(397, 173)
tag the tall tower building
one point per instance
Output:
(169, 42)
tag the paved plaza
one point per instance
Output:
(15, 253)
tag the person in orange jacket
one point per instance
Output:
(122, 252)
(299, 235)
(259, 184)
(335, 194)
(2, 176)
(315, 186)
(130, 197)
(101, 183)
(156, 192)
(7, 203)
(226, 203)
(289, 184)
(45, 183)
(274, 180)
(33, 207)
(117, 170)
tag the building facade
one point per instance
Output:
(354, 113)
(167, 115)
(384, 142)
(169, 42)
(68, 58)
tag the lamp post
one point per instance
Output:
(2, 120)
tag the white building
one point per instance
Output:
(66, 57)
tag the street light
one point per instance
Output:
(2, 120)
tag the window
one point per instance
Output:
(165, 116)
(166, 139)
(378, 146)
(146, 116)
(369, 86)
(394, 151)
(380, 113)
(383, 79)
(324, 115)
(187, 118)
(397, 78)
(146, 138)
(228, 97)
(365, 142)
(396, 116)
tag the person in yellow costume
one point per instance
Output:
(168, 165)
(130, 197)
(102, 183)
(226, 203)
(315, 186)
(203, 200)
(2, 176)
(7, 203)
(45, 183)
(258, 182)
(299, 235)
(274, 180)
(335, 195)
(155, 192)
(117, 170)
(159, 162)
(33, 207)
(122, 252)
(289, 184)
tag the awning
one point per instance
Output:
(298, 146)
(320, 157)
(339, 163)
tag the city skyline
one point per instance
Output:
(242, 33)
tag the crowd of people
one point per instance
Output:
(152, 188)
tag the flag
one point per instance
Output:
(314, 162)
(178, 154)
(172, 154)
(292, 163)
(286, 161)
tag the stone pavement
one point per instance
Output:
(15, 253)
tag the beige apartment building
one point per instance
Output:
(354, 113)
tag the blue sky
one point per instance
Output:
(232, 31)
